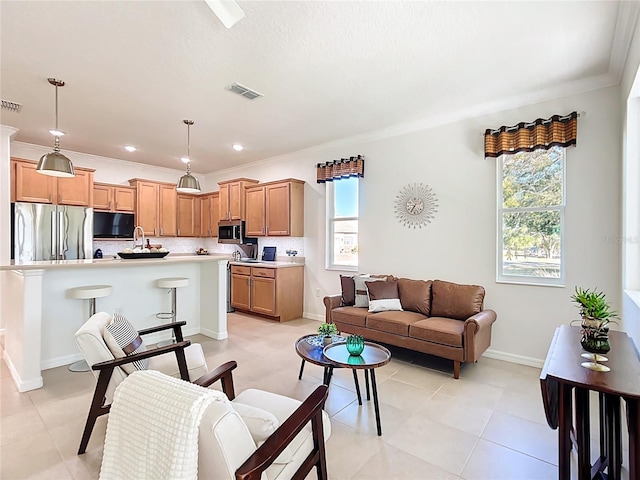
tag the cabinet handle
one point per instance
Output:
(154, 230)
(178, 232)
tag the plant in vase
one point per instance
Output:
(326, 330)
(596, 314)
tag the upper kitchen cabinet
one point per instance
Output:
(113, 198)
(209, 214)
(232, 198)
(188, 215)
(155, 207)
(255, 220)
(31, 186)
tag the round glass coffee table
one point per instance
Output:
(372, 357)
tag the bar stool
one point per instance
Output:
(171, 283)
(90, 292)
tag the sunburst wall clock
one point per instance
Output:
(416, 205)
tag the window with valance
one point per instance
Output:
(343, 168)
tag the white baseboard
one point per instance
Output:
(313, 316)
(60, 361)
(513, 358)
(21, 385)
(212, 334)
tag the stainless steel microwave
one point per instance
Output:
(231, 231)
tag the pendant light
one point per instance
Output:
(54, 163)
(188, 183)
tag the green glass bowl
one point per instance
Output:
(355, 344)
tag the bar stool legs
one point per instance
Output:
(172, 284)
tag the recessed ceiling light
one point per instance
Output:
(185, 159)
(237, 147)
(56, 133)
(130, 148)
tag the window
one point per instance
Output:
(531, 217)
(342, 224)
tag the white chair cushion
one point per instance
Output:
(167, 363)
(123, 340)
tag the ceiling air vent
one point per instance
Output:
(12, 106)
(244, 91)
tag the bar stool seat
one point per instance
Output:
(171, 283)
(90, 292)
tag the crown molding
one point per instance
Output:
(626, 21)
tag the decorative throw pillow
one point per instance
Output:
(123, 340)
(362, 298)
(348, 290)
(415, 295)
(261, 425)
(383, 296)
(452, 300)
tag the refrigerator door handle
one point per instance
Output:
(53, 236)
(61, 233)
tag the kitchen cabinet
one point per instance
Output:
(187, 224)
(31, 186)
(275, 209)
(255, 221)
(273, 292)
(209, 214)
(156, 207)
(232, 198)
(113, 198)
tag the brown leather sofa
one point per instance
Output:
(437, 317)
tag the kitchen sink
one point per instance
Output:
(249, 260)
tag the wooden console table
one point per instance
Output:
(563, 373)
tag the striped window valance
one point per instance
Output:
(541, 134)
(343, 168)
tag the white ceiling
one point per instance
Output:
(328, 70)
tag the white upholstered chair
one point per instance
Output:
(180, 359)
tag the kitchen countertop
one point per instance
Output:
(263, 263)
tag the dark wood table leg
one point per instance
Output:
(375, 400)
(301, 370)
(633, 426)
(366, 381)
(614, 437)
(603, 428)
(583, 432)
(355, 380)
(565, 415)
(328, 375)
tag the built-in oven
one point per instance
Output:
(231, 231)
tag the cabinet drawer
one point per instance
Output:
(240, 270)
(263, 272)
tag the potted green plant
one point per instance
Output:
(594, 309)
(326, 330)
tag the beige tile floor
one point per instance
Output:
(489, 424)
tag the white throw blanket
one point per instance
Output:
(152, 432)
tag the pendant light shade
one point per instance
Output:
(54, 163)
(188, 183)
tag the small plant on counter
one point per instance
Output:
(327, 329)
(593, 306)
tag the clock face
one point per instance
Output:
(415, 205)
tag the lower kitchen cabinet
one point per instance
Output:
(270, 291)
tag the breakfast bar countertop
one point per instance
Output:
(115, 262)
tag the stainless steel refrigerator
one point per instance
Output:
(51, 232)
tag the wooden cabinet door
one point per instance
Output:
(102, 197)
(32, 186)
(241, 291)
(263, 295)
(215, 214)
(124, 199)
(278, 211)
(186, 215)
(147, 207)
(168, 226)
(236, 200)
(205, 215)
(76, 190)
(224, 202)
(255, 212)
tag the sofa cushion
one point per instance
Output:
(445, 331)
(351, 315)
(393, 322)
(451, 300)
(348, 290)
(362, 297)
(415, 295)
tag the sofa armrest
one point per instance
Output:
(331, 302)
(477, 334)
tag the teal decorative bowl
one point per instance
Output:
(355, 344)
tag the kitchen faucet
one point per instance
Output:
(134, 236)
